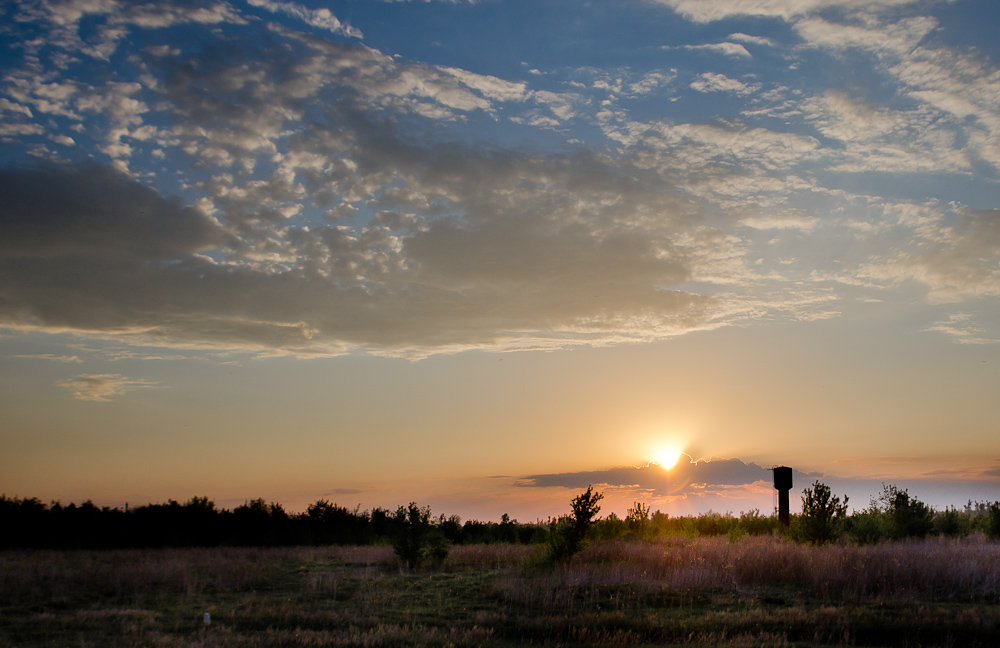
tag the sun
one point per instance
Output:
(667, 457)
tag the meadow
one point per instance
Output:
(748, 590)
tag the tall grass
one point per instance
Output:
(936, 569)
(755, 591)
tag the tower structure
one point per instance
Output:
(783, 484)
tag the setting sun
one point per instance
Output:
(667, 457)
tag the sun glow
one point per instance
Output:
(667, 457)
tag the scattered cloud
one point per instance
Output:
(101, 388)
(751, 40)
(711, 82)
(803, 222)
(321, 18)
(725, 48)
(962, 329)
(711, 10)
(343, 491)
(53, 358)
(331, 199)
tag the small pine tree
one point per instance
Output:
(908, 516)
(416, 538)
(568, 534)
(638, 520)
(993, 521)
(822, 514)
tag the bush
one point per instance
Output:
(868, 527)
(416, 538)
(993, 521)
(952, 523)
(908, 516)
(569, 533)
(753, 523)
(823, 514)
(637, 521)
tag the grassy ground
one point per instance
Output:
(757, 591)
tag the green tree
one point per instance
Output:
(822, 514)
(569, 534)
(637, 520)
(416, 538)
(909, 517)
(993, 520)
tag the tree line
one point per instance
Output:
(30, 523)
(418, 536)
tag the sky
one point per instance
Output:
(480, 255)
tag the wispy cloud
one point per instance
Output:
(101, 388)
(725, 48)
(53, 358)
(711, 10)
(321, 18)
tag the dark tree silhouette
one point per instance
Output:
(822, 514)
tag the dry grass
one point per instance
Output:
(759, 591)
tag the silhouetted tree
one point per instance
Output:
(822, 514)
(416, 539)
(993, 521)
(909, 517)
(569, 534)
(637, 520)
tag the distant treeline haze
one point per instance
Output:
(30, 523)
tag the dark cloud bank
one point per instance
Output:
(684, 477)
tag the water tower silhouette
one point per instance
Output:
(783, 484)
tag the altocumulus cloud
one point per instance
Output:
(101, 388)
(332, 199)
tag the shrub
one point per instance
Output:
(416, 538)
(753, 523)
(909, 517)
(610, 528)
(823, 514)
(993, 521)
(868, 527)
(637, 520)
(952, 523)
(568, 534)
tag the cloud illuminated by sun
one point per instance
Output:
(666, 457)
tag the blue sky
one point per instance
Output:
(281, 249)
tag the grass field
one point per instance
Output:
(756, 591)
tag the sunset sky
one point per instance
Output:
(483, 254)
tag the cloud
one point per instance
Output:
(53, 358)
(101, 388)
(802, 222)
(727, 49)
(343, 491)
(896, 38)
(961, 328)
(711, 10)
(711, 82)
(876, 138)
(94, 252)
(321, 18)
(333, 198)
(752, 40)
(57, 215)
(955, 255)
(686, 477)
